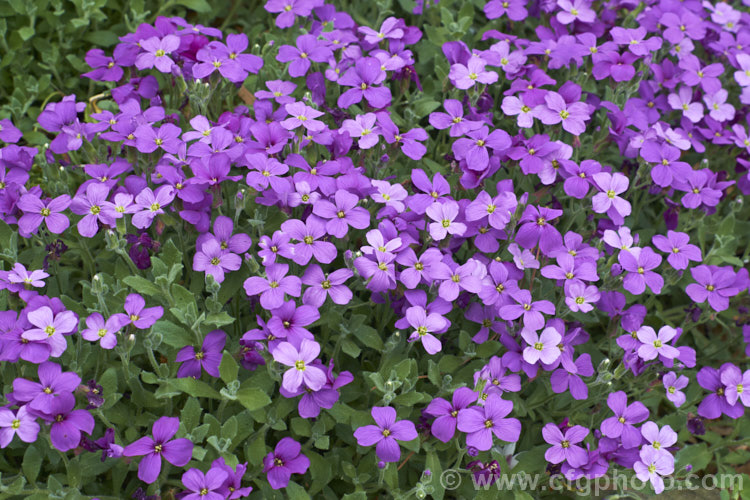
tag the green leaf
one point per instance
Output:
(190, 386)
(350, 348)
(26, 32)
(201, 6)
(173, 335)
(696, 455)
(252, 398)
(32, 463)
(191, 414)
(142, 286)
(369, 337)
(228, 368)
(296, 492)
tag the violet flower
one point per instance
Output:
(564, 446)
(385, 433)
(21, 424)
(208, 486)
(177, 452)
(673, 385)
(141, 316)
(285, 460)
(481, 423)
(444, 426)
(207, 357)
(300, 360)
(622, 424)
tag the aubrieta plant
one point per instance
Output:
(371, 245)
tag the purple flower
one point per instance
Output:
(214, 260)
(208, 357)
(288, 11)
(608, 200)
(659, 439)
(279, 90)
(622, 424)
(444, 215)
(67, 423)
(341, 212)
(19, 274)
(444, 426)
(536, 229)
(390, 194)
(364, 127)
(364, 78)
(284, 461)
(289, 321)
(530, 310)
(156, 53)
(482, 422)
(302, 370)
(712, 283)
(680, 251)
(232, 487)
(424, 324)
(693, 111)
(681, 25)
(308, 48)
(474, 150)
(390, 29)
(151, 204)
(556, 110)
(579, 297)
(666, 167)
(541, 347)
(9, 132)
(385, 433)
(717, 402)
(140, 316)
(304, 116)
(463, 277)
(639, 262)
(735, 382)
(465, 76)
(652, 465)
(453, 119)
(322, 285)
(564, 445)
(104, 332)
(673, 386)
(177, 452)
(21, 423)
(408, 141)
(515, 9)
(208, 486)
(575, 10)
(562, 379)
(36, 211)
(308, 235)
(274, 286)
(654, 345)
(51, 327)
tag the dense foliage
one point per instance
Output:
(338, 249)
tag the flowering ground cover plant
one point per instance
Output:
(370, 245)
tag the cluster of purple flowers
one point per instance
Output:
(473, 246)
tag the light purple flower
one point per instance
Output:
(385, 433)
(424, 325)
(21, 424)
(530, 310)
(341, 212)
(444, 215)
(304, 116)
(151, 204)
(309, 244)
(363, 127)
(654, 345)
(466, 76)
(673, 385)
(19, 274)
(300, 360)
(274, 286)
(608, 200)
(156, 53)
(321, 285)
(652, 466)
(736, 384)
(390, 194)
(104, 332)
(541, 347)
